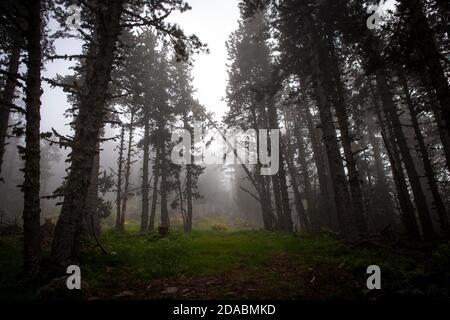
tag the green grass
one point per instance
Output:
(134, 258)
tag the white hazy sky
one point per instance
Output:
(211, 20)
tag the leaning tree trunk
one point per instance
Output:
(444, 131)
(301, 212)
(346, 139)
(279, 180)
(119, 179)
(427, 48)
(392, 115)
(383, 200)
(429, 171)
(335, 163)
(126, 187)
(8, 97)
(326, 206)
(31, 153)
(304, 171)
(406, 208)
(91, 114)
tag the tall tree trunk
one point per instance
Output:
(279, 180)
(444, 132)
(90, 118)
(156, 174)
(336, 166)
(382, 201)
(126, 188)
(91, 220)
(119, 179)
(189, 197)
(31, 154)
(165, 221)
(431, 55)
(189, 182)
(145, 182)
(406, 207)
(429, 171)
(301, 212)
(304, 170)
(7, 97)
(392, 115)
(326, 204)
(346, 139)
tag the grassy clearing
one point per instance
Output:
(136, 259)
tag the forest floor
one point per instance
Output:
(238, 264)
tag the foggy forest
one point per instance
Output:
(347, 102)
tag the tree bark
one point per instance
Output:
(156, 174)
(31, 154)
(429, 171)
(90, 118)
(165, 221)
(392, 115)
(91, 219)
(189, 197)
(336, 166)
(126, 188)
(326, 204)
(145, 184)
(406, 207)
(119, 180)
(431, 55)
(358, 212)
(8, 97)
(304, 170)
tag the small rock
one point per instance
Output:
(170, 290)
(57, 289)
(125, 295)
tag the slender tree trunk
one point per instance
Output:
(301, 212)
(431, 55)
(429, 171)
(392, 115)
(346, 139)
(279, 180)
(31, 154)
(304, 171)
(91, 219)
(382, 201)
(145, 184)
(326, 205)
(156, 174)
(126, 188)
(336, 166)
(7, 97)
(119, 179)
(406, 207)
(165, 221)
(90, 118)
(444, 132)
(189, 197)
(189, 182)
